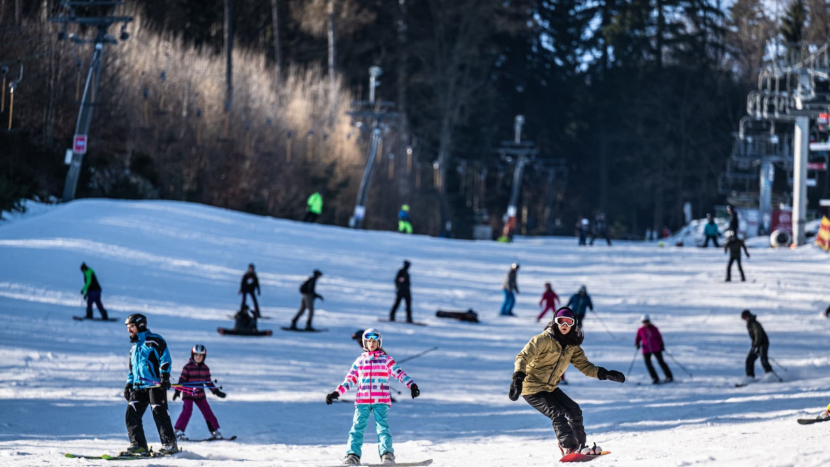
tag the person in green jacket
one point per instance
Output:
(315, 207)
(711, 232)
(92, 292)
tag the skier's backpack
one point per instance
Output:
(304, 289)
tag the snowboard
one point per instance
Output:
(206, 440)
(287, 328)
(810, 421)
(417, 323)
(399, 464)
(261, 317)
(84, 318)
(577, 457)
(469, 315)
(231, 332)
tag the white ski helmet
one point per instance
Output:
(372, 334)
(645, 318)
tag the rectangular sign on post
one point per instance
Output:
(79, 144)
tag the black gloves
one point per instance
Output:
(415, 391)
(128, 392)
(611, 375)
(331, 397)
(662, 347)
(220, 394)
(165, 381)
(321, 298)
(516, 385)
(637, 345)
(177, 394)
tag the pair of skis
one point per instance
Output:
(124, 456)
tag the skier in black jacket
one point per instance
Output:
(734, 245)
(250, 283)
(403, 293)
(734, 223)
(307, 301)
(760, 346)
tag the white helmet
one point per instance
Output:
(645, 318)
(372, 334)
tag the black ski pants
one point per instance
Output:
(659, 357)
(733, 259)
(754, 353)
(94, 296)
(603, 234)
(310, 217)
(253, 297)
(714, 238)
(406, 296)
(140, 399)
(307, 303)
(564, 413)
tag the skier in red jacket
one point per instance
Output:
(549, 299)
(652, 342)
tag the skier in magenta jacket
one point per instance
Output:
(652, 342)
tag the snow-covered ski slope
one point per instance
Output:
(180, 264)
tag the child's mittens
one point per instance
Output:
(415, 391)
(331, 397)
(220, 394)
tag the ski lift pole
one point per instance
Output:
(604, 326)
(678, 364)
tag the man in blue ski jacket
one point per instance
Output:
(579, 302)
(147, 385)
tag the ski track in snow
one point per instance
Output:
(180, 264)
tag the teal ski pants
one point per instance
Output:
(361, 419)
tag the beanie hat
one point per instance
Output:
(565, 312)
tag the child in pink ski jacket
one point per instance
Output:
(652, 342)
(371, 373)
(194, 372)
(549, 299)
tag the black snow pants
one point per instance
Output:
(733, 259)
(564, 413)
(750, 360)
(602, 234)
(253, 297)
(406, 297)
(659, 356)
(157, 399)
(714, 238)
(310, 217)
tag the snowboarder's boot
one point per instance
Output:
(216, 435)
(387, 458)
(135, 450)
(168, 449)
(293, 326)
(823, 416)
(592, 451)
(351, 459)
(655, 381)
(180, 435)
(566, 451)
(309, 328)
(669, 379)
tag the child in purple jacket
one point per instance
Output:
(196, 371)
(652, 342)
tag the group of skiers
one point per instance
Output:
(598, 229)
(579, 302)
(314, 208)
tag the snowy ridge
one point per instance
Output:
(180, 264)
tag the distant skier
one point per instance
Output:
(582, 230)
(92, 292)
(244, 321)
(600, 229)
(580, 302)
(760, 347)
(404, 221)
(510, 288)
(250, 283)
(536, 378)
(652, 342)
(549, 299)
(197, 371)
(314, 207)
(147, 385)
(734, 245)
(734, 222)
(711, 232)
(307, 301)
(402, 293)
(371, 374)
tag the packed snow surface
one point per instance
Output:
(180, 264)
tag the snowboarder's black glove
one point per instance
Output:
(415, 391)
(611, 375)
(177, 394)
(165, 381)
(662, 347)
(321, 298)
(331, 397)
(128, 391)
(220, 394)
(516, 385)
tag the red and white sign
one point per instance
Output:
(817, 166)
(782, 220)
(79, 144)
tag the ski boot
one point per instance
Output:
(655, 381)
(592, 451)
(747, 380)
(351, 459)
(216, 435)
(135, 450)
(669, 380)
(168, 449)
(180, 435)
(769, 377)
(387, 458)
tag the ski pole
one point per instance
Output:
(603, 325)
(779, 365)
(417, 355)
(632, 363)
(678, 364)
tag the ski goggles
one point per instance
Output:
(569, 322)
(372, 336)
